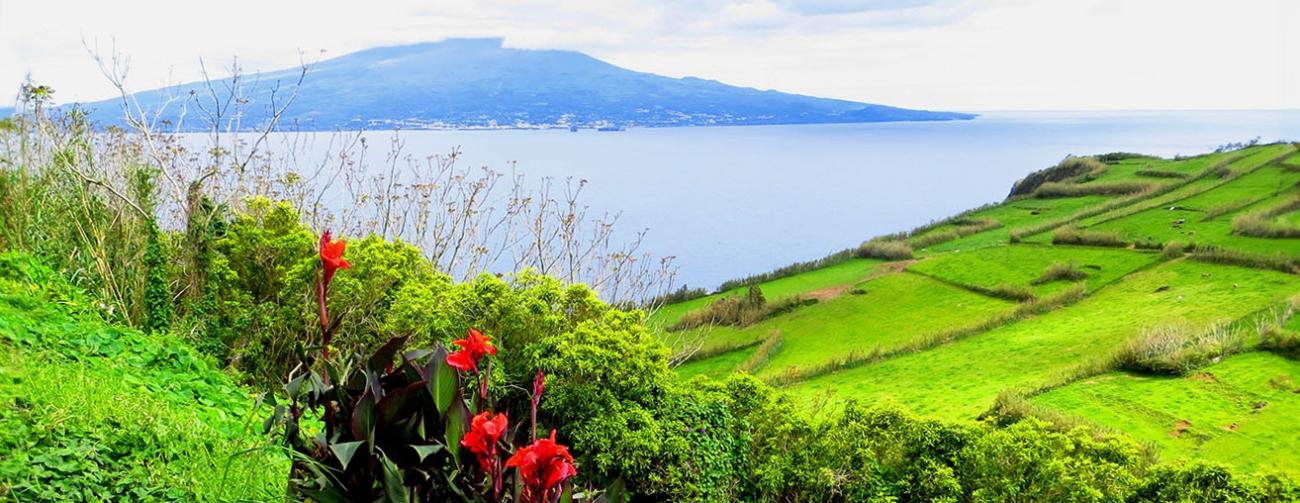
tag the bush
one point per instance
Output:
(885, 250)
(1205, 482)
(1179, 349)
(1075, 236)
(1060, 271)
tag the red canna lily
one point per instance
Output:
(543, 466)
(474, 347)
(484, 432)
(331, 256)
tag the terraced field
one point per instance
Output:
(988, 306)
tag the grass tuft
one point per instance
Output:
(1060, 271)
(885, 249)
(1075, 236)
(1179, 349)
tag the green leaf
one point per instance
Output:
(617, 492)
(292, 387)
(424, 451)
(363, 416)
(443, 381)
(345, 450)
(457, 425)
(395, 490)
(330, 495)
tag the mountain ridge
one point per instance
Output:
(480, 84)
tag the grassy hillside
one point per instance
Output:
(86, 406)
(1035, 305)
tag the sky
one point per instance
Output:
(936, 54)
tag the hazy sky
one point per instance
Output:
(940, 54)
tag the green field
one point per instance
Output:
(962, 379)
(1242, 410)
(1068, 349)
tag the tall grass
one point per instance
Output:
(961, 228)
(1051, 190)
(1071, 168)
(1263, 224)
(739, 311)
(1060, 271)
(1275, 261)
(769, 347)
(836, 258)
(1129, 204)
(712, 351)
(1158, 173)
(885, 249)
(857, 358)
(1179, 349)
(1274, 337)
(1076, 236)
(1223, 209)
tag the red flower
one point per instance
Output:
(543, 466)
(331, 256)
(482, 438)
(473, 347)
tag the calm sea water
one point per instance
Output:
(732, 201)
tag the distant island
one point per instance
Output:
(478, 84)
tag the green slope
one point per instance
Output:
(86, 406)
(952, 286)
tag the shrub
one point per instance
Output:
(1200, 481)
(1075, 236)
(885, 250)
(1179, 349)
(1060, 271)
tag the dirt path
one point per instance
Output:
(825, 294)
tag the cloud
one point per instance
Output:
(942, 54)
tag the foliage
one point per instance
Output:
(93, 412)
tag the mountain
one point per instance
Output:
(475, 83)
